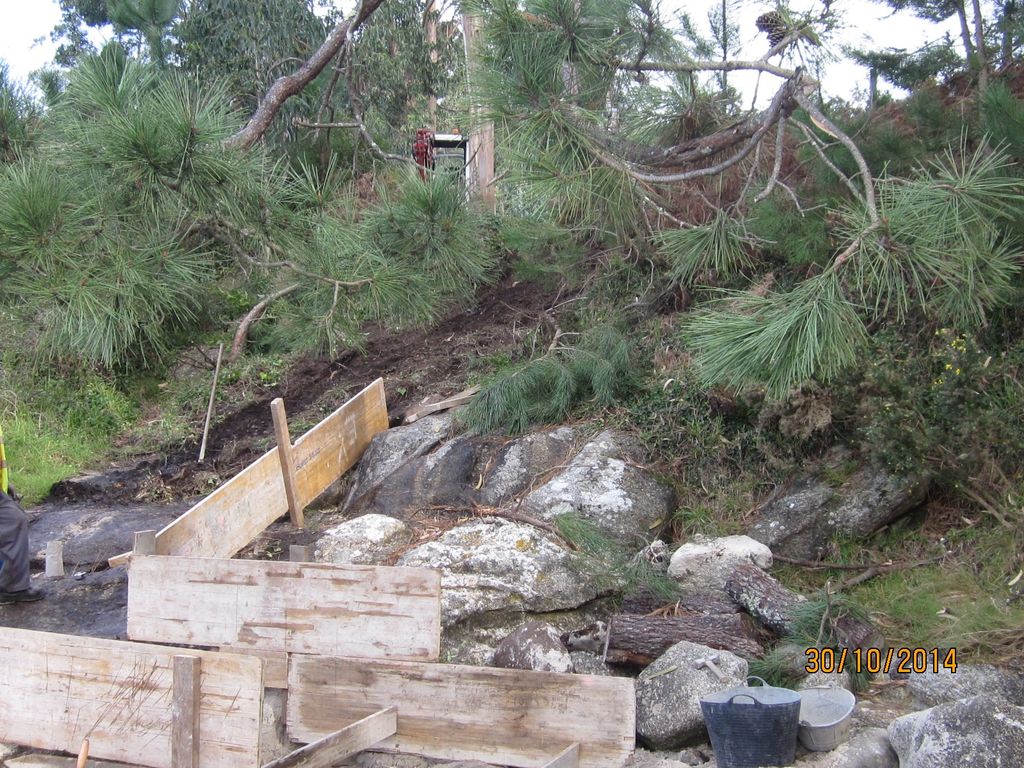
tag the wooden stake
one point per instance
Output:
(284, 452)
(185, 713)
(209, 408)
(54, 559)
(145, 543)
(83, 754)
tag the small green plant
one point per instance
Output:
(545, 389)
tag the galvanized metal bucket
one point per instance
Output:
(825, 717)
(752, 726)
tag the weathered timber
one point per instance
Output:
(567, 758)
(642, 639)
(763, 597)
(327, 451)
(774, 605)
(185, 690)
(58, 690)
(355, 610)
(284, 451)
(343, 743)
(233, 515)
(502, 716)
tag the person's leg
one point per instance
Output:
(13, 546)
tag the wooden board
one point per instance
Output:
(334, 445)
(56, 690)
(233, 515)
(501, 716)
(343, 743)
(363, 611)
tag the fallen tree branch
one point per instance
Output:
(251, 317)
(301, 122)
(287, 86)
(777, 167)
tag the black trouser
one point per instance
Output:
(13, 546)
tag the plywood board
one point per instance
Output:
(334, 445)
(334, 610)
(56, 690)
(238, 511)
(501, 716)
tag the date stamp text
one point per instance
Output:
(877, 661)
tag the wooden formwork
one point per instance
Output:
(355, 646)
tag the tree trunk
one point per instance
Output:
(288, 85)
(979, 46)
(480, 149)
(965, 36)
(763, 597)
(639, 640)
(690, 605)
(430, 33)
(773, 605)
(872, 87)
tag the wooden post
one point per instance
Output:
(480, 148)
(54, 559)
(298, 553)
(284, 452)
(185, 712)
(145, 543)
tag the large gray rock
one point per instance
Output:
(668, 692)
(845, 497)
(364, 540)
(980, 731)
(441, 478)
(622, 500)
(522, 462)
(931, 688)
(93, 533)
(393, 447)
(704, 565)
(497, 565)
(869, 748)
(535, 646)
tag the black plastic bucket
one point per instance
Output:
(751, 727)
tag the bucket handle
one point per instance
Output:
(737, 695)
(755, 677)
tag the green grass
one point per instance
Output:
(961, 602)
(41, 453)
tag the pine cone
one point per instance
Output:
(776, 27)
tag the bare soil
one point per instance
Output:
(415, 364)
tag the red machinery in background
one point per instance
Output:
(425, 149)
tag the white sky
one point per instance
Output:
(25, 43)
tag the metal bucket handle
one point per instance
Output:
(755, 677)
(737, 695)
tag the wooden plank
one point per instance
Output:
(185, 691)
(352, 610)
(275, 664)
(567, 758)
(502, 716)
(233, 515)
(328, 450)
(417, 412)
(284, 447)
(145, 543)
(58, 690)
(343, 743)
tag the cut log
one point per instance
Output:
(773, 604)
(763, 597)
(639, 640)
(687, 605)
